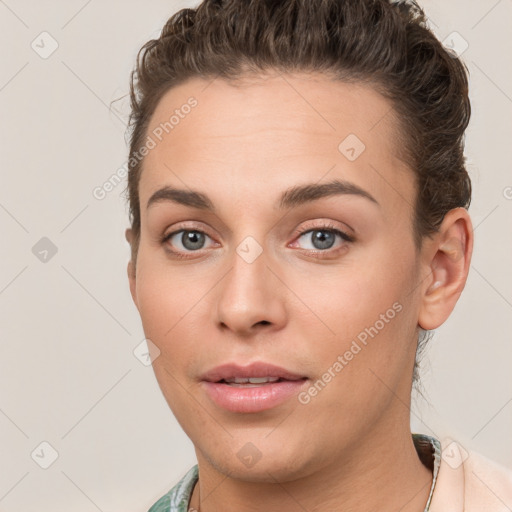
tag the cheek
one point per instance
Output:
(175, 309)
(166, 303)
(167, 306)
(369, 310)
(347, 300)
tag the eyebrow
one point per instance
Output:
(290, 198)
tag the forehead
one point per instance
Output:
(267, 132)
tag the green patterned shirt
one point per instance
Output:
(178, 498)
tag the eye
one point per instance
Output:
(324, 238)
(186, 240)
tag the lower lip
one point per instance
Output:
(252, 399)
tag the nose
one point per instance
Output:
(251, 298)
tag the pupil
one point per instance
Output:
(323, 239)
(192, 240)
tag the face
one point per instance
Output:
(295, 261)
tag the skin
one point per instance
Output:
(350, 447)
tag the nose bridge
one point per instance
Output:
(248, 294)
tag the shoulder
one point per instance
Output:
(177, 499)
(488, 484)
(467, 481)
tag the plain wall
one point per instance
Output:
(68, 327)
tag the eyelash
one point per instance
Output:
(330, 228)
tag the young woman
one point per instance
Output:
(298, 201)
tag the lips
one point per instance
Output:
(229, 372)
(252, 388)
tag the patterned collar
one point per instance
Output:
(429, 452)
(177, 499)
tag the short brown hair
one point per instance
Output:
(386, 44)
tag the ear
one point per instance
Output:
(131, 267)
(446, 258)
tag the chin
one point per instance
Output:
(269, 464)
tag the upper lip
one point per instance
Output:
(257, 369)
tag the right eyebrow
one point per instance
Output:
(190, 198)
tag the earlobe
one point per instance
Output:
(446, 260)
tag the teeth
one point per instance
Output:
(251, 380)
(262, 380)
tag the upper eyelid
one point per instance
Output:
(320, 224)
(298, 233)
(327, 226)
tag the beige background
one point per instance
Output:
(68, 375)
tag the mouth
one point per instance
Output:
(254, 373)
(251, 381)
(253, 388)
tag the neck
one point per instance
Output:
(382, 473)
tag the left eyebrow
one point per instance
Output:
(301, 194)
(290, 198)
